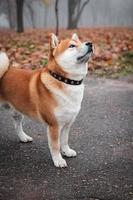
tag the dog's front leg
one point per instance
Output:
(65, 149)
(54, 145)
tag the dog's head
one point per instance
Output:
(71, 55)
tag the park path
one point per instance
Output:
(103, 138)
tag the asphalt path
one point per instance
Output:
(103, 138)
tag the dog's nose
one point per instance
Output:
(89, 44)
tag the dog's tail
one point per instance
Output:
(4, 63)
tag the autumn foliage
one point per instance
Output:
(30, 49)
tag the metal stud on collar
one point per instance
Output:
(64, 79)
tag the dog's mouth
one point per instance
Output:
(85, 57)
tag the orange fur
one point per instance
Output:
(24, 90)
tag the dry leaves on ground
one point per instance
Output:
(30, 49)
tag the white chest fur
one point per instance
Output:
(69, 103)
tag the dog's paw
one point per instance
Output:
(59, 162)
(25, 138)
(69, 152)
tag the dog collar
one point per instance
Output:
(65, 80)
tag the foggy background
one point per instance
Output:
(97, 13)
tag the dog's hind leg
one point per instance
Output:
(18, 118)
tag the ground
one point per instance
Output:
(102, 137)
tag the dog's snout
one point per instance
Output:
(89, 44)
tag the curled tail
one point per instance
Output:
(4, 63)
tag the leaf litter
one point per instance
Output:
(113, 48)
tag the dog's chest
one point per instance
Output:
(69, 103)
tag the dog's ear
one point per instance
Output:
(54, 41)
(75, 37)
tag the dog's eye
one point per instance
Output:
(72, 46)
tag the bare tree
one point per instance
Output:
(29, 5)
(11, 4)
(75, 9)
(57, 17)
(20, 26)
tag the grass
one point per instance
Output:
(44, 61)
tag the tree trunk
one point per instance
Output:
(57, 17)
(71, 11)
(29, 4)
(12, 13)
(75, 9)
(20, 26)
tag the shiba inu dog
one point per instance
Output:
(52, 94)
